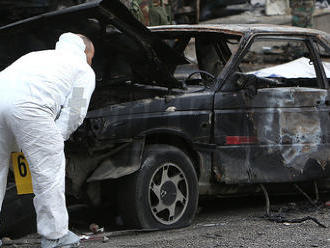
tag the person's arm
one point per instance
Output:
(76, 105)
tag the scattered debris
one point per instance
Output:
(95, 228)
(212, 236)
(213, 224)
(105, 236)
(105, 239)
(23, 242)
(285, 221)
(279, 218)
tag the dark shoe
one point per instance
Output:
(68, 241)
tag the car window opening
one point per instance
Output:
(273, 63)
(207, 55)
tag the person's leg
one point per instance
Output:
(6, 141)
(43, 146)
(4, 160)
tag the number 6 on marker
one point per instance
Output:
(22, 174)
(21, 166)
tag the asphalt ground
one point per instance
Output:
(238, 222)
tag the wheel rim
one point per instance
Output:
(168, 194)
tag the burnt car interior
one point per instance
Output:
(124, 74)
(269, 52)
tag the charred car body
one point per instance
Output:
(165, 126)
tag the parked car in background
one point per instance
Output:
(185, 111)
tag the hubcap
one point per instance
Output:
(168, 194)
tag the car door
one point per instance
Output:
(272, 115)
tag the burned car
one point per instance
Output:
(188, 110)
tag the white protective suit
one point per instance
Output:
(44, 97)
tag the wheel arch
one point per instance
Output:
(177, 139)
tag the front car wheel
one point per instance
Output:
(163, 193)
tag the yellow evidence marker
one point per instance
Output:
(22, 174)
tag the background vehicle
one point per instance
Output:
(180, 111)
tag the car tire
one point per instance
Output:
(163, 194)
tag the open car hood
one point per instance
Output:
(156, 61)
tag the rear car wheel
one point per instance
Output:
(163, 193)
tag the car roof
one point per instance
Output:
(241, 29)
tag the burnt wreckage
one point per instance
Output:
(165, 126)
